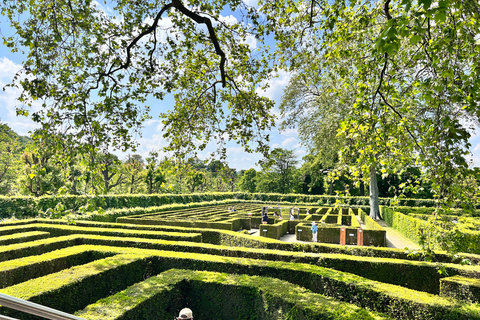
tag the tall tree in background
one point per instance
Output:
(10, 150)
(41, 176)
(133, 169)
(280, 174)
(195, 179)
(154, 177)
(110, 171)
(248, 181)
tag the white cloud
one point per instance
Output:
(235, 150)
(300, 152)
(288, 141)
(229, 20)
(276, 86)
(290, 132)
(477, 148)
(9, 102)
(252, 3)
(8, 70)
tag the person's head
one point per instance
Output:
(185, 314)
(313, 223)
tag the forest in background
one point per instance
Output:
(33, 169)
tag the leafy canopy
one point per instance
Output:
(94, 66)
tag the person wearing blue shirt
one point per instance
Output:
(314, 231)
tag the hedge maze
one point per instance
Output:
(102, 270)
(248, 215)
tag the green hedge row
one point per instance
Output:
(162, 296)
(461, 288)
(407, 225)
(118, 272)
(62, 230)
(459, 238)
(23, 237)
(17, 271)
(80, 286)
(72, 289)
(208, 236)
(379, 269)
(23, 207)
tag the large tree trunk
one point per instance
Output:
(374, 205)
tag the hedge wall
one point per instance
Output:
(249, 297)
(23, 207)
(82, 285)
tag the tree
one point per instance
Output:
(313, 174)
(41, 176)
(412, 68)
(411, 65)
(247, 181)
(94, 67)
(280, 174)
(110, 171)
(154, 177)
(195, 179)
(133, 169)
(10, 152)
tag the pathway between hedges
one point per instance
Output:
(394, 238)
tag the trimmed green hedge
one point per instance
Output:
(76, 288)
(459, 237)
(73, 289)
(249, 297)
(216, 237)
(23, 237)
(461, 288)
(16, 271)
(23, 207)
(405, 224)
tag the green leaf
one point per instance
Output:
(426, 4)
(415, 39)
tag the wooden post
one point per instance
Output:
(343, 235)
(359, 237)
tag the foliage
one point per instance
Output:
(11, 146)
(93, 67)
(279, 173)
(248, 181)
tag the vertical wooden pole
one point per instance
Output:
(343, 236)
(359, 237)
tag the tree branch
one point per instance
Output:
(386, 9)
(213, 37)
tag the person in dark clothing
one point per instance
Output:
(265, 218)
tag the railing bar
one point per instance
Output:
(34, 308)
(6, 318)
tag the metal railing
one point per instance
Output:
(33, 308)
